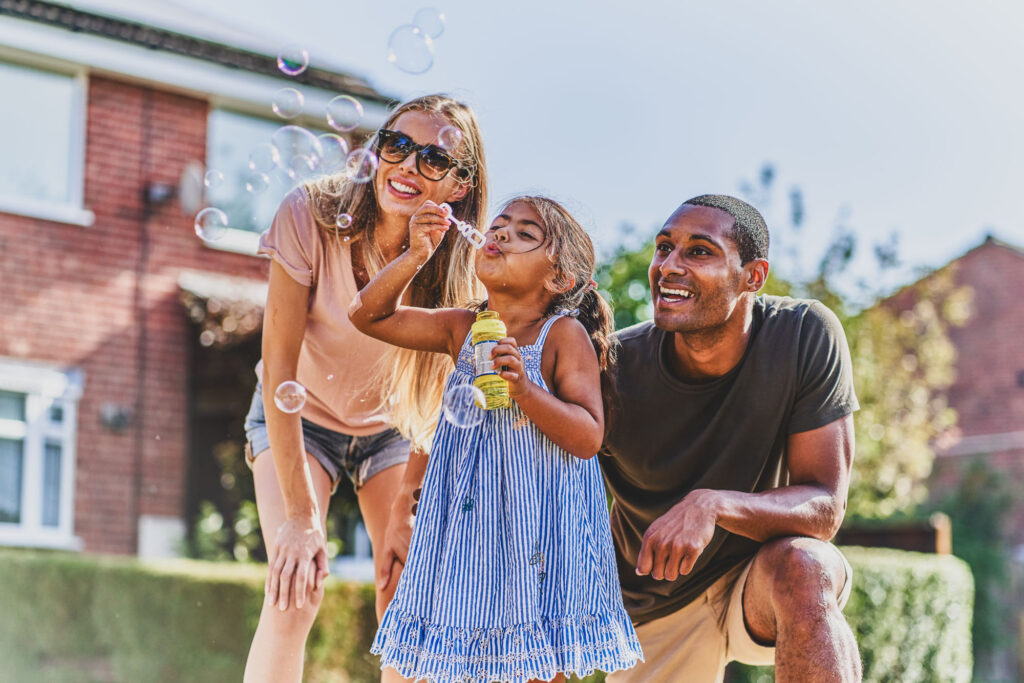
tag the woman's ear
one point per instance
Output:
(461, 190)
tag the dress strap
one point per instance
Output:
(547, 326)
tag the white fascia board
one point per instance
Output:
(44, 45)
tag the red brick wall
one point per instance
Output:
(990, 348)
(70, 299)
(990, 354)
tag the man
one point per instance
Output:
(729, 462)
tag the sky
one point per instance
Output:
(900, 116)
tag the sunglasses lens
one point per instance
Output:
(393, 147)
(434, 163)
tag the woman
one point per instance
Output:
(367, 404)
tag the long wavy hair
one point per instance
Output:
(571, 251)
(412, 381)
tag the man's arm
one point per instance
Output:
(813, 504)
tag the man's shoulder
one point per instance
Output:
(796, 314)
(637, 335)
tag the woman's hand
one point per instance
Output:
(396, 541)
(509, 364)
(427, 228)
(299, 562)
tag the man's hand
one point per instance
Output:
(396, 541)
(299, 563)
(675, 540)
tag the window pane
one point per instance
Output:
(12, 405)
(35, 134)
(51, 484)
(231, 139)
(56, 413)
(10, 480)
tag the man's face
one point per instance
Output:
(696, 275)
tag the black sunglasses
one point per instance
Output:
(432, 162)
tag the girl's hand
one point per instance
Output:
(426, 230)
(509, 364)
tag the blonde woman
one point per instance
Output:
(368, 405)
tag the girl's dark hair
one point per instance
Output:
(572, 253)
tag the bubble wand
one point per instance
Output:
(475, 237)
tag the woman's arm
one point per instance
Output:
(300, 540)
(572, 415)
(376, 310)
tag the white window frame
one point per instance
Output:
(45, 387)
(73, 212)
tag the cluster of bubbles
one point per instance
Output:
(411, 46)
(463, 406)
(290, 397)
(300, 154)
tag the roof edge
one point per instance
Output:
(136, 33)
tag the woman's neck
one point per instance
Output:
(391, 235)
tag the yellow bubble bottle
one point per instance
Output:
(486, 332)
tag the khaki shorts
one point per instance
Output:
(695, 643)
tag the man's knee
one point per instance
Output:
(806, 574)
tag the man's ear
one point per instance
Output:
(757, 274)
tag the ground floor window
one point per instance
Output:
(38, 418)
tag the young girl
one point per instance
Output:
(511, 573)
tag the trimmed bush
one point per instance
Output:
(911, 613)
(74, 618)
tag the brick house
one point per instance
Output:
(988, 394)
(126, 341)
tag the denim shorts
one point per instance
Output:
(359, 457)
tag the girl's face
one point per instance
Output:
(515, 253)
(401, 188)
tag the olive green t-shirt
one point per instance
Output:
(670, 437)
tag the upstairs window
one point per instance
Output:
(42, 135)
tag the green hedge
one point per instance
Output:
(73, 618)
(911, 613)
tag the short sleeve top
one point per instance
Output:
(337, 362)
(670, 437)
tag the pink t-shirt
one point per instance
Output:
(337, 361)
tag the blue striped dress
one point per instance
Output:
(511, 571)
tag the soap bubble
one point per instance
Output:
(263, 158)
(410, 49)
(292, 59)
(287, 103)
(211, 224)
(344, 113)
(449, 138)
(256, 182)
(213, 179)
(429, 21)
(334, 154)
(464, 405)
(299, 151)
(290, 397)
(344, 221)
(360, 165)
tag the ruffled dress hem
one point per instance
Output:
(581, 644)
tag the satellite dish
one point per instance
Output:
(191, 187)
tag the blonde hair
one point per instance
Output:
(571, 252)
(412, 381)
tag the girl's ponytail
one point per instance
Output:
(596, 316)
